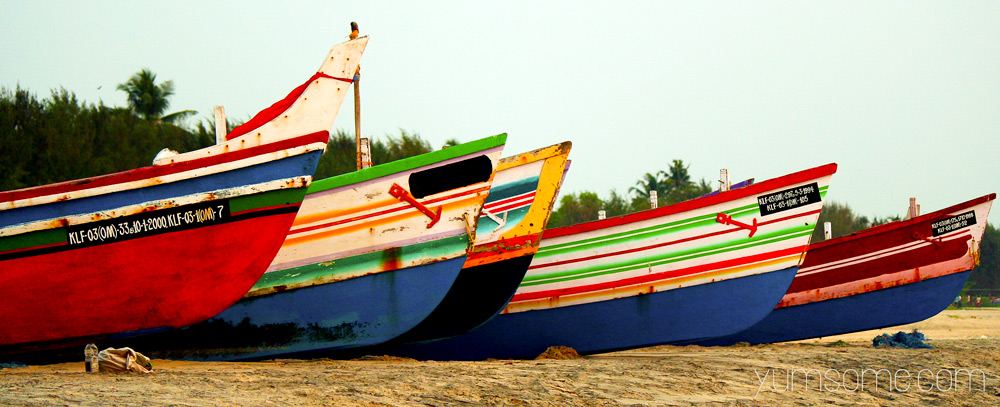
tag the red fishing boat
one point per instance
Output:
(893, 274)
(167, 245)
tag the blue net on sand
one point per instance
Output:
(912, 340)
(10, 365)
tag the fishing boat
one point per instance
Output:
(892, 274)
(702, 268)
(507, 236)
(368, 257)
(167, 245)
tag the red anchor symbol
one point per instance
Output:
(918, 236)
(728, 220)
(404, 195)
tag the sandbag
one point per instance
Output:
(123, 360)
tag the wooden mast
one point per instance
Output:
(357, 101)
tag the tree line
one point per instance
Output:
(43, 141)
(674, 185)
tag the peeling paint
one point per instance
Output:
(391, 258)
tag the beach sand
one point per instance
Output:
(656, 376)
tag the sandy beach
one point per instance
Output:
(840, 370)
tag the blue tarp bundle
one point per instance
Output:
(11, 365)
(912, 340)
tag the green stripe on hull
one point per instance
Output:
(639, 234)
(666, 258)
(512, 189)
(647, 232)
(266, 199)
(440, 249)
(407, 164)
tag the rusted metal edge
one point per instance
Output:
(534, 155)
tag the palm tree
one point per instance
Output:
(148, 99)
(679, 185)
(642, 189)
(677, 175)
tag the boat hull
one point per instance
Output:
(894, 306)
(164, 292)
(665, 317)
(479, 294)
(320, 319)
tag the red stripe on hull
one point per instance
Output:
(167, 280)
(386, 211)
(515, 205)
(279, 107)
(908, 259)
(24, 249)
(529, 196)
(733, 194)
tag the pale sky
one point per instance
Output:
(903, 95)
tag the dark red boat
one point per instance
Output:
(893, 274)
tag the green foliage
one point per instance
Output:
(149, 100)
(145, 97)
(985, 278)
(576, 208)
(843, 221)
(616, 205)
(397, 148)
(649, 182)
(19, 116)
(340, 156)
(59, 139)
(341, 152)
(672, 186)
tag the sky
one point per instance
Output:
(903, 95)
